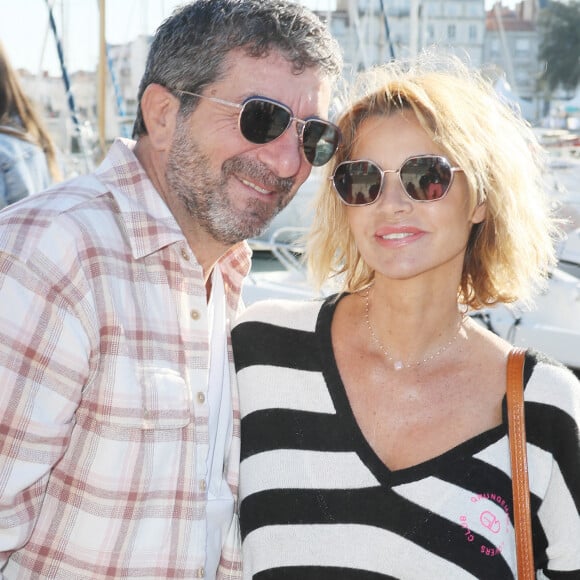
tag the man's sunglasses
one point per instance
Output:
(263, 120)
(423, 177)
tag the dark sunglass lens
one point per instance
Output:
(357, 182)
(426, 178)
(320, 141)
(262, 121)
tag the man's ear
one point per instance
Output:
(159, 108)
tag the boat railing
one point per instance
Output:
(286, 244)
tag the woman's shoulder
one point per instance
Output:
(551, 383)
(299, 314)
(12, 146)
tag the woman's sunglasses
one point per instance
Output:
(263, 120)
(423, 177)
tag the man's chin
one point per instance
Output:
(240, 233)
(259, 223)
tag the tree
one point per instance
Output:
(559, 26)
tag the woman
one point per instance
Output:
(374, 434)
(28, 162)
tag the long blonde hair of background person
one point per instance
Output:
(19, 118)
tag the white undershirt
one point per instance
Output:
(220, 505)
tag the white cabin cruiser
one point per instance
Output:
(553, 325)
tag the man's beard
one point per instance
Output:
(206, 197)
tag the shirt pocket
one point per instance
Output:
(151, 398)
(165, 400)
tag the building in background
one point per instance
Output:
(502, 41)
(373, 31)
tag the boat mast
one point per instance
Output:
(102, 78)
(414, 28)
(497, 10)
(361, 62)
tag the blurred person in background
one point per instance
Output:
(28, 156)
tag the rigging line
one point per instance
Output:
(119, 100)
(388, 31)
(68, 90)
(65, 77)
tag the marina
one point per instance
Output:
(369, 31)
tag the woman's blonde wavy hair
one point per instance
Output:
(511, 252)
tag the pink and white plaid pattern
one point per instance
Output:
(103, 384)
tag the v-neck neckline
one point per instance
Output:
(390, 477)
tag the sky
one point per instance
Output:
(28, 40)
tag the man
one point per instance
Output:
(119, 418)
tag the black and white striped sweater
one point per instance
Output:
(318, 504)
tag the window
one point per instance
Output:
(475, 9)
(451, 9)
(523, 47)
(473, 32)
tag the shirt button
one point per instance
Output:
(200, 573)
(200, 398)
(203, 485)
(184, 254)
(194, 314)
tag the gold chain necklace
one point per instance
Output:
(399, 364)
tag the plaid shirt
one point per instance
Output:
(104, 375)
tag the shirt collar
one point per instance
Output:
(149, 223)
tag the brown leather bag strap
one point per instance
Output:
(519, 464)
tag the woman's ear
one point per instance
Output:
(479, 213)
(159, 108)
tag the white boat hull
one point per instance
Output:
(551, 327)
